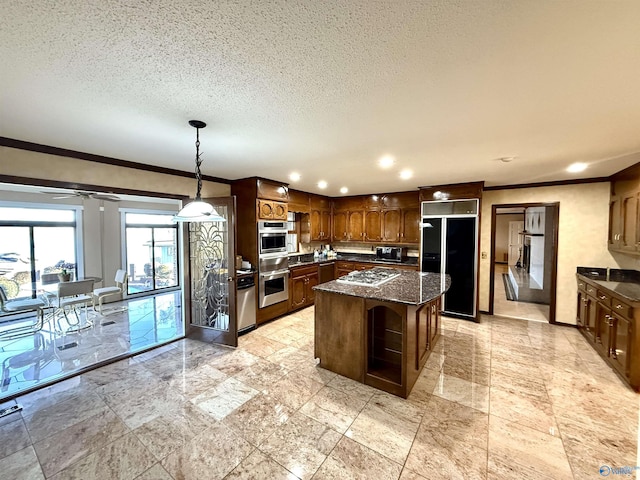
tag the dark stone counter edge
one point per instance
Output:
(380, 298)
(629, 290)
(412, 261)
(394, 290)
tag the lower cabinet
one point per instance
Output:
(608, 322)
(301, 283)
(346, 267)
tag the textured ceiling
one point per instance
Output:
(327, 87)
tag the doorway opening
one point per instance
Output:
(524, 246)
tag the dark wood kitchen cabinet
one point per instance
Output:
(344, 267)
(301, 284)
(411, 219)
(391, 225)
(629, 218)
(372, 226)
(272, 210)
(401, 218)
(355, 226)
(339, 233)
(609, 323)
(586, 309)
(624, 201)
(615, 223)
(348, 219)
(320, 217)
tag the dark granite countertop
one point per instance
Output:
(625, 283)
(307, 259)
(413, 288)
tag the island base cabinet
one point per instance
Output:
(384, 342)
(338, 342)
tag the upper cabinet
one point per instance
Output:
(272, 210)
(390, 218)
(299, 201)
(624, 227)
(270, 190)
(348, 219)
(320, 217)
(272, 202)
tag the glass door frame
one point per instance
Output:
(211, 335)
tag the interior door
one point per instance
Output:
(212, 277)
(515, 241)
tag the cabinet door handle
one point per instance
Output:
(618, 306)
(602, 297)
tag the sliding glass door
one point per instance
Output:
(151, 252)
(34, 242)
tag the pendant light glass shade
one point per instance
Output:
(197, 210)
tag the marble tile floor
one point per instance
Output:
(501, 399)
(54, 352)
(514, 309)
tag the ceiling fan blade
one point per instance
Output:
(108, 198)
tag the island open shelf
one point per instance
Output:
(380, 336)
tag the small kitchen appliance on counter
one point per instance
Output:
(390, 254)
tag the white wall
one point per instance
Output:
(23, 163)
(502, 234)
(582, 236)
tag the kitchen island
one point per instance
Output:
(379, 332)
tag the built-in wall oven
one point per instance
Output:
(274, 279)
(272, 237)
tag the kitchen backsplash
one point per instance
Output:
(346, 247)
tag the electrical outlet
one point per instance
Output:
(483, 255)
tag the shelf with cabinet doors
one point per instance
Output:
(608, 321)
(320, 217)
(272, 210)
(624, 226)
(301, 283)
(348, 219)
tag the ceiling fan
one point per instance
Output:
(82, 194)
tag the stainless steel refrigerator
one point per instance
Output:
(449, 244)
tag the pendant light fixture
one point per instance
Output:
(197, 210)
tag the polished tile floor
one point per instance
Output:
(58, 351)
(513, 309)
(502, 399)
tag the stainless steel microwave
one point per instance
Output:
(390, 254)
(272, 237)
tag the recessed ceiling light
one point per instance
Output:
(507, 159)
(344, 190)
(406, 174)
(386, 161)
(577, 167)
(294, 176)
(322, 184)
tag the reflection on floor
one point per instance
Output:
(499, 399)
(509, 308)
(40, 357)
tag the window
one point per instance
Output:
(33, 242)
(292, 232)
(151, 246)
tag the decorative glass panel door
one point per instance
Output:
(213, 312)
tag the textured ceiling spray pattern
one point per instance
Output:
(329, 86)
